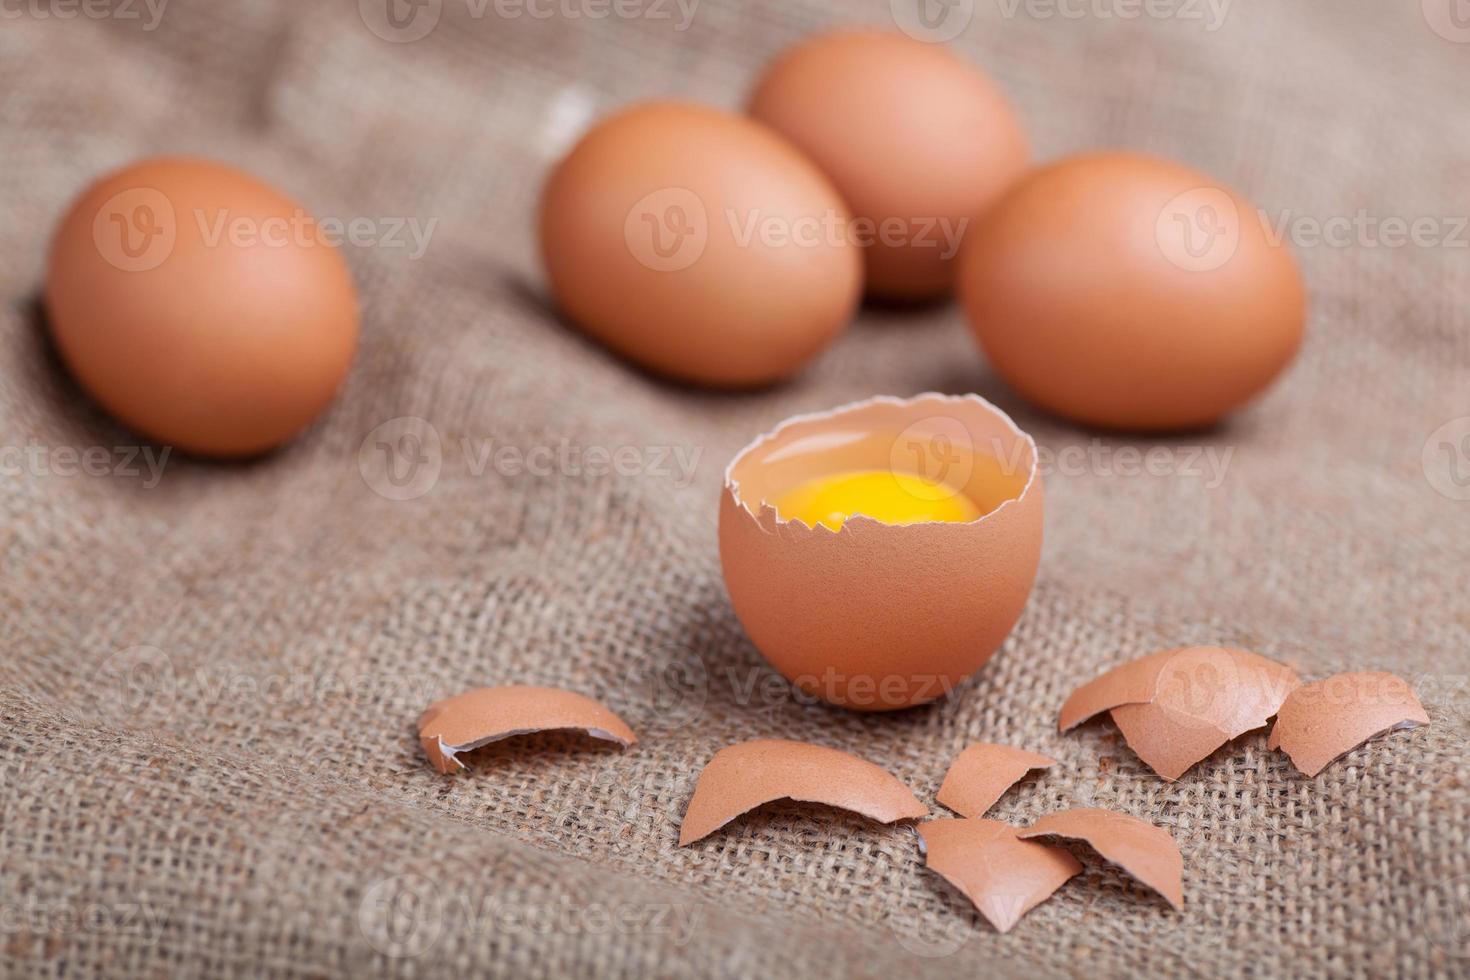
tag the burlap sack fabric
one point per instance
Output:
(211, 678)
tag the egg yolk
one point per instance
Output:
(893, 498)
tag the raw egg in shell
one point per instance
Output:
(878, 554)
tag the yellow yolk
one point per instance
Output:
(893, 498)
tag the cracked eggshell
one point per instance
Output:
(475, 718)
(873, 616)
(1177, 707)
(1322, 722)
(744, 776)
(981, 775)
(1005, 877)
(1146, 852)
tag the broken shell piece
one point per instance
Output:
(488, 714)
(1176, 707)
(1132, 683)
(742, 777)
(1146, 852)
(1005, 877)
(981, 775)
(1322, 722)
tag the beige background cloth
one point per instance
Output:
(208, 761)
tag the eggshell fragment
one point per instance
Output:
(1146, 852)
(488, 714)
(982, 773)
(742, 777)
(1005, 877)
(1322, 722)
(1132, 683)
(873, 616)
(1177, 707)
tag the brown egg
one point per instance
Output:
(917, 140)
(1127, 292)
(700, 245)
(878, 615)
(200, 306)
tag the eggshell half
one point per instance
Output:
(873, 616)
(982, 773)
(1005, 877)
(488, 714)
(1176, 707)
(1322, 722)
(1146, 852)
(742, 777)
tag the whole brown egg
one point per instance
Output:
(200, 306)
(700, 245)
(1127, 292)
(916, 139)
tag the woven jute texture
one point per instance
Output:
(210, 677)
